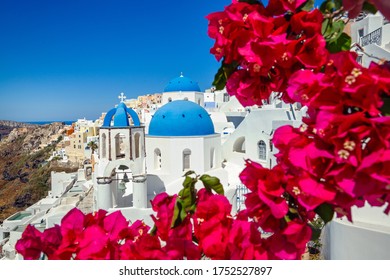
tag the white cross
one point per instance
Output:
(122, 97)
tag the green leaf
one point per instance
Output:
(220, 79)
(212, 183)
(325, 211)
(153, 231)
(188, 194)
(315, 232)
(338, 28)
(308, 6)
(333, 30)
(177, 214)
(327, 6)
(189, 172)
(325, 26)
(370, 8)
(343, 43)
(330, 6)
(223, 74)
(188, 181)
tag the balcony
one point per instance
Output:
(375, 37)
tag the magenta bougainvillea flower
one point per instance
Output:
(289, 243)
(30, 245)
(268, 185)
(266, 47)
(163, 204)
(51, 239)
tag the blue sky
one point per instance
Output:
(69, 59)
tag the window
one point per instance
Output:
(262, 149)
(157, 158)
(186, 159)
(359, 59)
(225, 97)
(136, 140)
(212, 158)
(104, 145)
(169, 99)
(361, 32)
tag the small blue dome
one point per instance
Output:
(120, 115)
(182, 84)
(181, 118)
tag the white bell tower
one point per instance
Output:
(121, 159)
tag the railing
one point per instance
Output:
(241, 190)
(375, 37)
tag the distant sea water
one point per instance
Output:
(48, 122)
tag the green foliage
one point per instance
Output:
(331, 6)
(179, 213)
(92, 145)
(41, 154)
(336, 39)
(223, 74)
(316, 225)
(56, 158)
(212, 183)
(332, 30)
(308, 6)
(325, 211)
(386, 106)
(369, 8)
(188, 173)
(343, 43)
(220, 79)
(188, 194)
(186, 201)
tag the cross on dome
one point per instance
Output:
(181, 74)
(122, 97)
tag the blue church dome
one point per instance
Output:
(182, 84)
(181, 118)
(121, 115)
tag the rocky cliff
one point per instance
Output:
(7, 126)
(24, 171)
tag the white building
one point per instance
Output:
(67, 191)
(181, 138)
(183, 88)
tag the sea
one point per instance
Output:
(48, 122)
